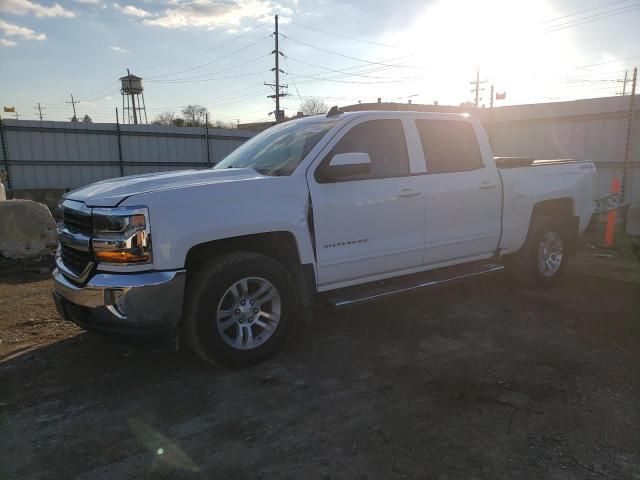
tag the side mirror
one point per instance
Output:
(346, 164)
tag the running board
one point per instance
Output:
(369, 292)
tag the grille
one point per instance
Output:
(75, 260)
(77, 221)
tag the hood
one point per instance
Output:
(109, 193)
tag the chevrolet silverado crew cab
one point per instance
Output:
(347, 207)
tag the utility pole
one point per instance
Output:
(491, 117)
(39, 108)
(277, 87)
(73, 104)
(277, 68)
(628, 145)
(624, 83)
(477, 88)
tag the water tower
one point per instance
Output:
(131, 89)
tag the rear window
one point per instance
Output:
(449, 146)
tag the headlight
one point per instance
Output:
(121, 235)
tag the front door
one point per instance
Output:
(368, 225)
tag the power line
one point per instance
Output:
(98, 92)
(292, 79)
(592, 18)
(212, 61)
(149, 67)
(201, 77)
(604, 63)
(330, 79)
(226, 77)
(350, 57)
(320, 79)
(96, 97)
(345, 36)
(334, 69)
(585, 11)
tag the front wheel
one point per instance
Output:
(239, 308)
(542, 259)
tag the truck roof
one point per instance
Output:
(396, 113)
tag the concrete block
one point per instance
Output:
(26, 229)
(51, 197)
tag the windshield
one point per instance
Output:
(280, 149)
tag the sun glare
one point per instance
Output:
(508, 40)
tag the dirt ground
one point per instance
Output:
(477, 381)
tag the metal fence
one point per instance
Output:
(594, 129)
(62, 155)
(58, 155)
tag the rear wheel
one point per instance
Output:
(239, 308)
(542, 259)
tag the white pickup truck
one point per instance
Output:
(347, 207)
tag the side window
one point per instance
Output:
(449, 146)
(385, 143)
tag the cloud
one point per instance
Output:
(27, 7)
(115, 48)
(131, 10)
(89, 2)
(7, 43)
(208, 14)
(11, 30)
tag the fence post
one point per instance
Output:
(628, 143)
(5, 153)
(119, 144)
(206, 138)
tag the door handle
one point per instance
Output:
(488, 184)
(408, 192)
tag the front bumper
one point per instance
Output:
(140, 309)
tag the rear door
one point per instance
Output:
(368, 225)
(462, 193)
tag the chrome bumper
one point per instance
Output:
(123, 303)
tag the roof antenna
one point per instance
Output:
(333, 111)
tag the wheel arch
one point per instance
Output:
(282, 246)
(561, 209)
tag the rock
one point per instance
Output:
(27, 229)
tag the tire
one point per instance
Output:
(547, 240)
(221, 325)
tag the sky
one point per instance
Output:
(219, 53)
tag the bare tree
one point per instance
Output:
(313, 106)
(194, 115)
(165, 118)
(222, 124)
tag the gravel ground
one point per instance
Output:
(476, 381)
